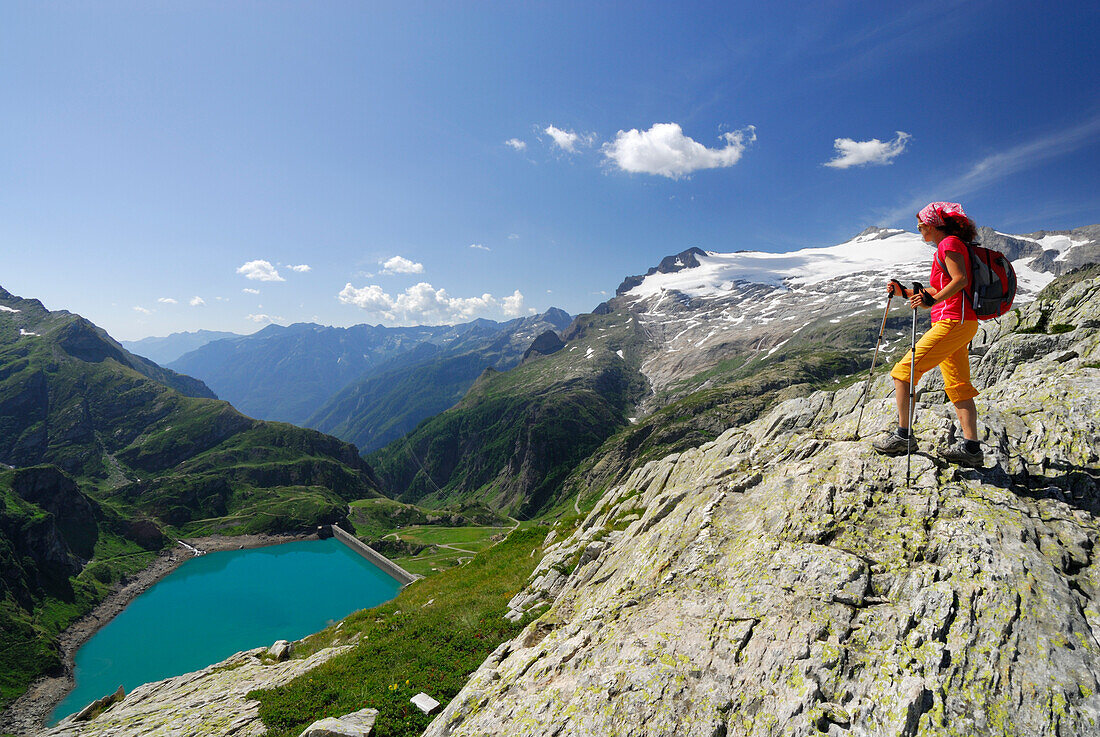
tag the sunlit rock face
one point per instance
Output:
(783, 580)
(211, 701)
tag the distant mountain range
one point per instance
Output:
(699, 308)
(392, 398)
(169, 348)
(365, 384)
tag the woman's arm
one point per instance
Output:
(956, 269)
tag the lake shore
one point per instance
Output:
(27, 715)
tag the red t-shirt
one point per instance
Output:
(954, 308)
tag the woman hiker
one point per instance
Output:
(946, 345)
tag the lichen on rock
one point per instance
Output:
(212, 701)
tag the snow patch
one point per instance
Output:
(718, 271)
(619, 354)
(1030, 280)
(773, 350)
(7, 309)
(28, 332)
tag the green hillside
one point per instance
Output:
(515, 436)
(699, 408)
(556, 427)
(393, 399)
(86, 426)
(60, 554)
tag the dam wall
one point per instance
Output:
(387, 565)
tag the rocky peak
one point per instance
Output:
(82, 340)
(559, 318)
(544, 345)
(1055, 252)
(669, 265)
(875, 232)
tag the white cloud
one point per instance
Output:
(479, 247)
(515, 143)
(246, 290)
(300, 268)
(264, 318)
(513, 236)
(513, 304)
(260, 270)
(666, 151)
(142, 310)
(197, 301)
(167, 301)
(423, 304)
(851, 153)
(568, 140)
(401, 265)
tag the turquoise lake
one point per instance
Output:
(220, 603)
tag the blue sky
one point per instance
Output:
(159, 160)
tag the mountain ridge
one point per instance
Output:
(292, 373)
(165, 349)
(701, 331)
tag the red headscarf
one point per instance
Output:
(934, 213)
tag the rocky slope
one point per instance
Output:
(782, 579)
(212, 701)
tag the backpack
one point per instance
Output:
(992, 282)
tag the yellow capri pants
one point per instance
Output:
(946, 345)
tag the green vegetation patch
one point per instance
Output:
(430, 638)
(41, 595)
(373, 519)
(274, 509)
(514, 438)
(445, 547)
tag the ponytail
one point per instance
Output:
(961, 227)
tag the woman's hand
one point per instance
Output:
(895, 289)
(923, 298)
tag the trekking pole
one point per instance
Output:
(867, 386)
(912, 391)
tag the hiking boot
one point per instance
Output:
(958, 453)
(893, 444)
